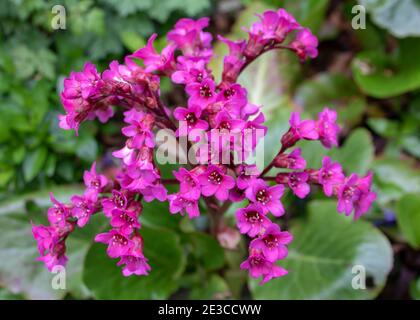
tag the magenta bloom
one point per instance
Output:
(58, 214)
(52, 260)
(201, 94)
(189, 71)
(164, 62)
(272, 243)
(182, 204)
(293, 160)
(268, 197)
(46, 237)
(79, 97)
(355, 194)
(125, 221)
(327, 128)
(233, 63)
(216, 182)
(140, 129)
(297, 181)
(118, 201)
(134, 265)
(189, 37)
(305, 129)
(191, 117)
(252, 220)
(259, 266)
(305, 44)
(118, 244)
(330, 175)
(246, 175)
(83, 209)
(94, 182)
(189, 185)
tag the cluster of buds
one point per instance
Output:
(217, 113)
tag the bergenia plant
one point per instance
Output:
(222, 129)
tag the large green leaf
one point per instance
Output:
(207, 250)
(381, 75)
(399, 17)
(162, 248)
(325, 249)
(408, 217)
(33, 163)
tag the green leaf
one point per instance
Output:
(214, 288)
(33, 163)
(408, 218)
(415, 289)
(87, 148)
(400, 18)
(356, 154)
(333, 91)
(325, 249)
(396, 175)
(162, 248)
(207, 250)
(381, 75)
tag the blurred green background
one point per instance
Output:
(370, 76)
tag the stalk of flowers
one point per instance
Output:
(218, 114)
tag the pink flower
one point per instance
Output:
(182, 204)
(134, 265)
(234, 62)
(191, 117)
(305, 129)
(259, 266)
(216, 182)
(78, 97)
(272, 243)
(58, 214)
(118, 244)
(189, 71)
(118, 201)
(53, 260)
(252, 220)
(355, 194)
(268, 197)
(94, 182)
(330, 175)
(83, 209)
(125, 221)
(305, 44)
(189, 37)
(293, 160)
(139, 129)
(246, 174)
(189, 185)
(297, 181)
(327, 128)
(46, 237)
(154, 191)
(153, 61)
(201, 94)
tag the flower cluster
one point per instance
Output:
(217, 113)
(64, 217)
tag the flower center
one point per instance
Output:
(270, 241)
(119, 240)
(124, 216)
(215, 177)
(119, 200)
(262, 196)
(191, 119)
(294, 180)
(253, 217)
(205, 91)
(225, 125)
(228, 93)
